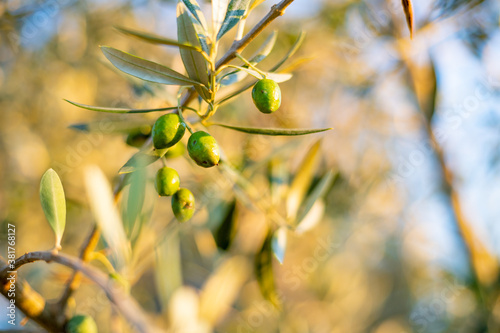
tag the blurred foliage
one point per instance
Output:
(384, 257)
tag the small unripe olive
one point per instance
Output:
(167, 131)
(266, 95)
(203, 149)
(175, 151)
(81, 324)
(183, 204)
(138, 137)
(167, 181)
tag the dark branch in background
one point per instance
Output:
(32, 304)
(123, 302)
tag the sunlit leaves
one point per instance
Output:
(135, 199)
(195, 10)
(145, 69)
(101, 202)
(222, 288)
(302, 180)
(278, 243)
(235, 11)
(272, 131)
(53, 203)
(305, 221)
(219, 8)
(194, 62)
(198, 22)
(264, 271)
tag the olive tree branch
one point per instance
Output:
(123, 302)
(239, 45)
(31, 303)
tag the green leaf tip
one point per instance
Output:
(53, 203)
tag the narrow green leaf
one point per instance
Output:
(102, 205)
(142, 159)
(279, 243)
(195, 10)
(135, 199)
(278, 178)
(122, 110)
(277, 77)
(145, 69)
(114, 126)
(168, 267)
(219, 8)
(255, 3)
(53, 203)
(261, 54)
(265, 48)
(235, 11)
(195, 63)
(198, 21)
(264, 271)
(302, 180)
(317, 193)
(225, 232)
(312, 218)
(290, 52)
(271, 131)
(152, 38)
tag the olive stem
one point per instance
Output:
(246, 70)
(180, 112)
(249, 64)
(98, 256)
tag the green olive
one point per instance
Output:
(266, 95)
(138, 137)
(167, 131)
(183, 204)
(167, 181)
(175, 151)
(81, 324)
(203, 149)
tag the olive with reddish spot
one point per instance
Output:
(203, 149)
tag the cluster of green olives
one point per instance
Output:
(167, 131)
